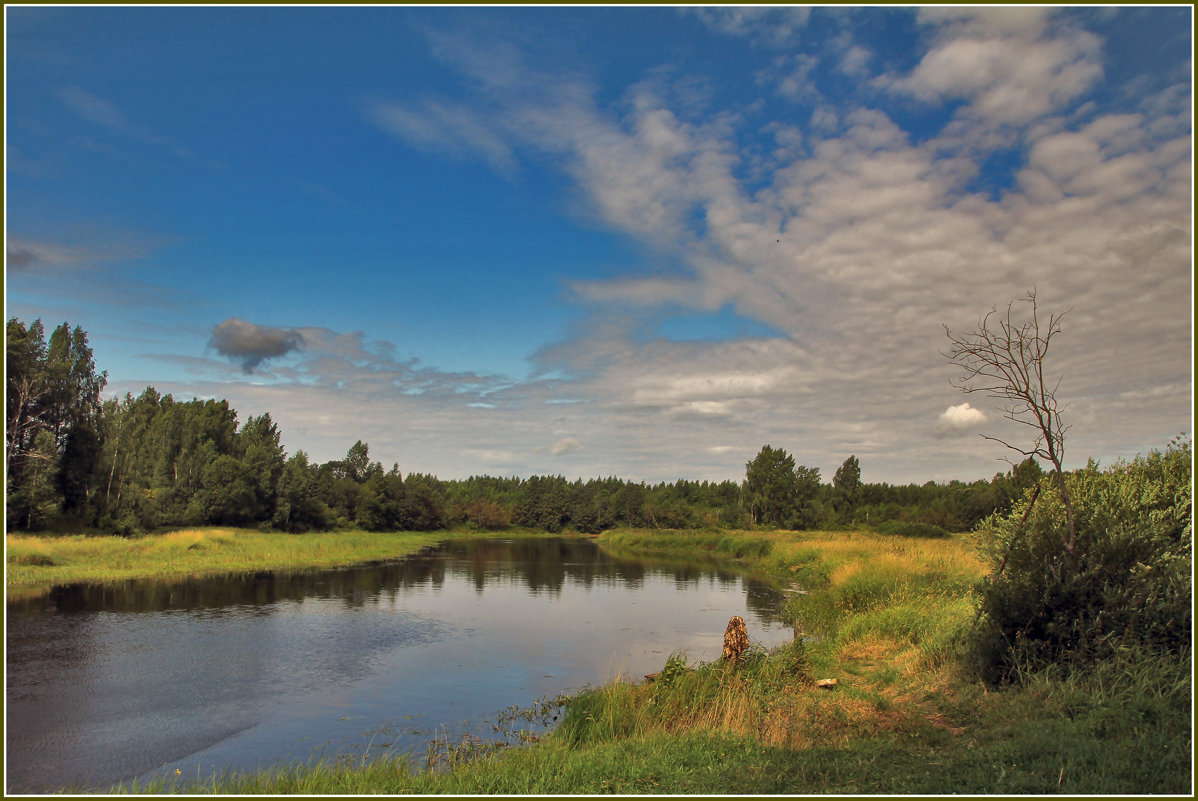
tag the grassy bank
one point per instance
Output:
(888, 618)
(35, 564)
(1055, 737)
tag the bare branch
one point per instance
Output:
(1004, 359)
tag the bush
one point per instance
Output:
(1127, 583)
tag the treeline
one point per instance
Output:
(134, 464)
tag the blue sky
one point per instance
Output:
(610, 241)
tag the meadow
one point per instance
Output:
(890, 618)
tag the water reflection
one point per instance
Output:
(541, 565)
(106, 683)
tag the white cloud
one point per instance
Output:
(962, 417)
(1020, 21)
(1010, 69)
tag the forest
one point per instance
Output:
(76, 461)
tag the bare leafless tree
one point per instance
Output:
(1004, 359)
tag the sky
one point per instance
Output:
(639, 242)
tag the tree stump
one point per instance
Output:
(736, 639)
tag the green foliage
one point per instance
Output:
(1126, 583)
(52, 404)
(227, 495)
(542, 503)
(425, 509)
(297, 507)
(32, 501)
(778, 493)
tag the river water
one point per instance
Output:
(107, 684)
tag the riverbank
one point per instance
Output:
(888, 618)
(38, 563)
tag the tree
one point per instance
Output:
(73, 387)
(424, 507)
(228, 495)
(847, 483)
(542, 504)
(1004, 359)
(51, 388)
(357, 465)
(25, 386)
(808, 484)
(32, 503)
(771, 486)
(298, 508)
(259, 441)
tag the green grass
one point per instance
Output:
(35, 564)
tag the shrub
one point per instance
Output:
(1126, 583)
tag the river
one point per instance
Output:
(107, 684)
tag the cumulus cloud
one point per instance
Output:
(960, 418)
(250, 344)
